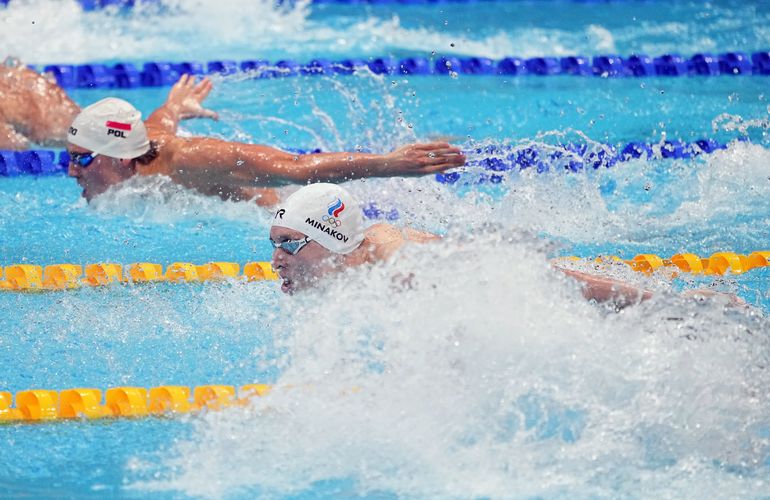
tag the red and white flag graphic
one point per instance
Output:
(119, 126)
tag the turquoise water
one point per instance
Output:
(491, 376)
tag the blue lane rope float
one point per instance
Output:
(496, 158)
(159, 73)
(89, 5)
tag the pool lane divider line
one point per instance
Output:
(31, 278)
(42, 405)
(719, 263)
(493, 157)
(91, 5)
(164, 73)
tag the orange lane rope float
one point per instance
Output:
(29, 277)
(719, 263)
(39, 405)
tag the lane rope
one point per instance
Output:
(90, 5)
(31, 277)
(719, 263)
(494, 157)
(165, 73)
(43, 405)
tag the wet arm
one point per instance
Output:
(184, 102)
(608, 290)
(10, 139)
(255, 165)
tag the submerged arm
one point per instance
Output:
(608, 290)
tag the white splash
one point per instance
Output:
(157, 199)
(489, 375)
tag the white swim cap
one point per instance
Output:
(110, 127)
(327, 214)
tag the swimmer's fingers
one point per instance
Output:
(433, 169)
(208, 113)
(456, 160)
(437, 146)
(443, 152)
(431, 145)
(203, 88)
(184, 81)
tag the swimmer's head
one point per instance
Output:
(110, 127)
(104, 141)
(312, 231)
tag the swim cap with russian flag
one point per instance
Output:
(110, 127)
(327, 214)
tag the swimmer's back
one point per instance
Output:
(34, 107)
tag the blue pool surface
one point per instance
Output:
(490, 376)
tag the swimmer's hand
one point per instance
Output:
(421, 159)
(701, 294)
(186, 98)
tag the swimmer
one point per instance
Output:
(33, 108)
(319, 230)
(108, 143)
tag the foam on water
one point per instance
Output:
(246, 29)
(639, 201)
(158, 200)
(107, 34)
(490, 374)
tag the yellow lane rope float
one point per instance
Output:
(29, 277)
(44, 405)
(26, 277)
(719, 263)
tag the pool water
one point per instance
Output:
(488, 376)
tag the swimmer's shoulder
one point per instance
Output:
(385, 239)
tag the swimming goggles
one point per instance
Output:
(82, 159)
(292, 247)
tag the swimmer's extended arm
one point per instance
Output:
(256, 165)
(418, 236)
(184, 102)
(608, 290)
